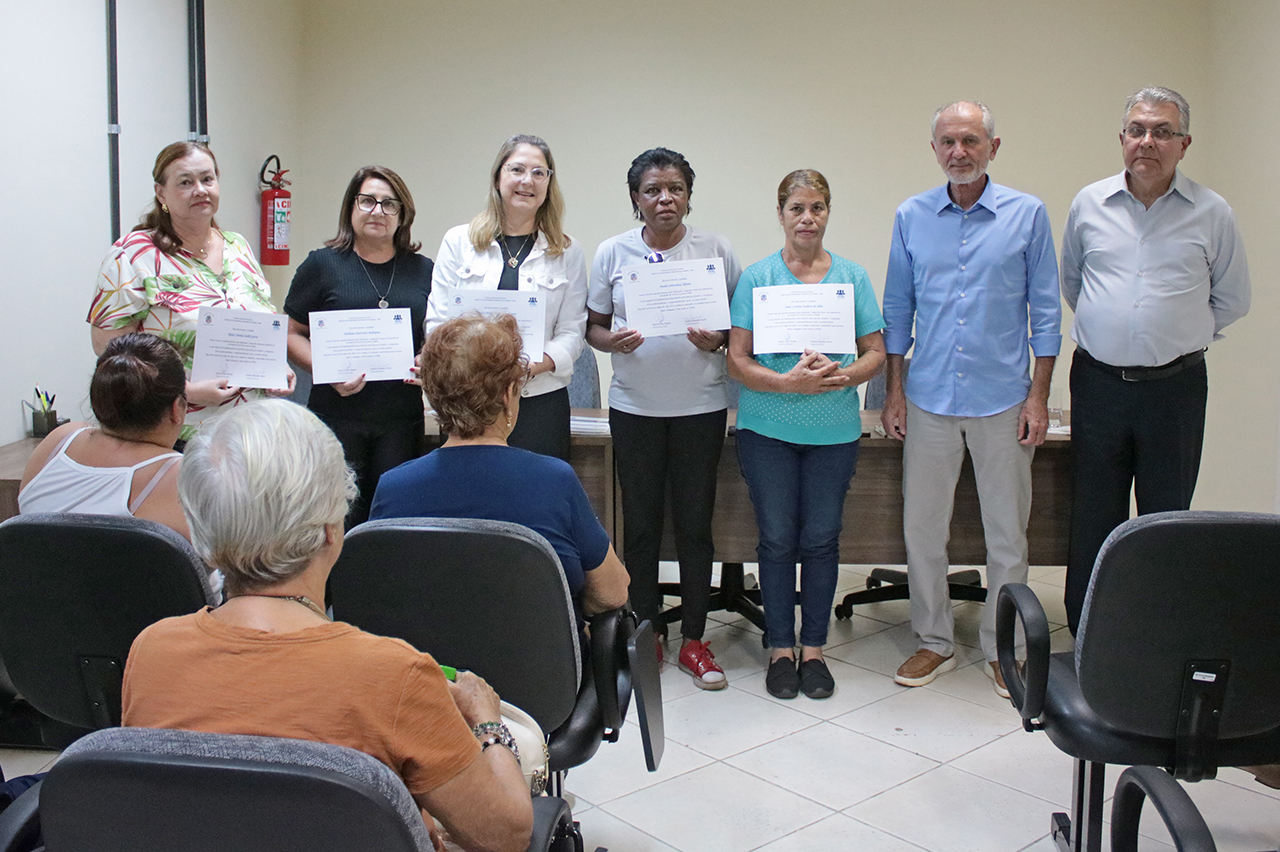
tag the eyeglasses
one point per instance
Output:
(1159, 134)
(367, 204)
(519, 170)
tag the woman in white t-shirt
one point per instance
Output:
(667, 402)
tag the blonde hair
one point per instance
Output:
(490, 223)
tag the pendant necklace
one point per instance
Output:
(513, 260)
(382, 297)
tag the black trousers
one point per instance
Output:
(1141, 435)
(543, 424)
(372, 449)
(653, 454)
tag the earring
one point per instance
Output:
(164, 207)
(507, 416)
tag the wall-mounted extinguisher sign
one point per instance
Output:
(276, 201)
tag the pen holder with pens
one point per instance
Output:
(44, 422)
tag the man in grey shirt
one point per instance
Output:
(1154, 269)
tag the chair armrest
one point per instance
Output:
(20, 822)
(609, 665)
(1017, 602)
(551, 818)
(1180, 815)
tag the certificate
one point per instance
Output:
(247, 348)
(672, 297)
(796, 317)
(374, 342)
(529, 307)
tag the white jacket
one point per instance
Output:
(562, 279)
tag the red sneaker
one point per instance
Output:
(660, 641)
(696, 659)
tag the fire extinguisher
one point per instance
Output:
(276, 201)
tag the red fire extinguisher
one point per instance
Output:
(275, 215)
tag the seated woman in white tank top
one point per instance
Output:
(126, 464)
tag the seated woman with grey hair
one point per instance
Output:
(265, 490)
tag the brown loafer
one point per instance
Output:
(922, 667)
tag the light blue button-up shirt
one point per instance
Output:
(978, 284)
(1149, 286)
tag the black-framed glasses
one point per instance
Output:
(1159, 134)
(367, 204)
(519, 170)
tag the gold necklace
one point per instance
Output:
(513, 260)
(302, 599)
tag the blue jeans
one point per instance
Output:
(798, 493)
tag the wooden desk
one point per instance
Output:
(873, 509)
(13, 461)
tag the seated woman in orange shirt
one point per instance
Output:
(266, 489)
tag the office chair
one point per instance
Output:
(890, 584)
(1177, 811)
(1175, 661)
(75, 590)
(490, 597)
(152, 790)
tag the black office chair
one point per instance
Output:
(1175, 662)
(152, 790)
(75, 591)
(491, 597)
(1176, 810)
(890, 584)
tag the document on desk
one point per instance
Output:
(374, 342)
(247, 348)
(672, 297)
(529, 307)
(796, 317)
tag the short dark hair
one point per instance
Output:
(657, 158)
(157, 219)
(403, 240)
(135, 383)
(468, 365)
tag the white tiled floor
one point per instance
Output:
(874, 768)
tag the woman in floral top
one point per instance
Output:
(175, 261)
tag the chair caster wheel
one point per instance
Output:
(843, 611)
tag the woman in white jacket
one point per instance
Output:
(518, 243)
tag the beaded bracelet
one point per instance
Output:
(496, 733)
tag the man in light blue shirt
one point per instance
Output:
(1154, 268)
(972, 264)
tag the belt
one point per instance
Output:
(1146, 374)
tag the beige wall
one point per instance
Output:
(748, 91)
(1240, 125)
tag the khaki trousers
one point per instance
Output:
(932, 456)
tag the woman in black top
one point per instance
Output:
(371, 263)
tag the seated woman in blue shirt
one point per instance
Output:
(472, 373)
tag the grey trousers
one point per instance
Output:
(932, 457)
